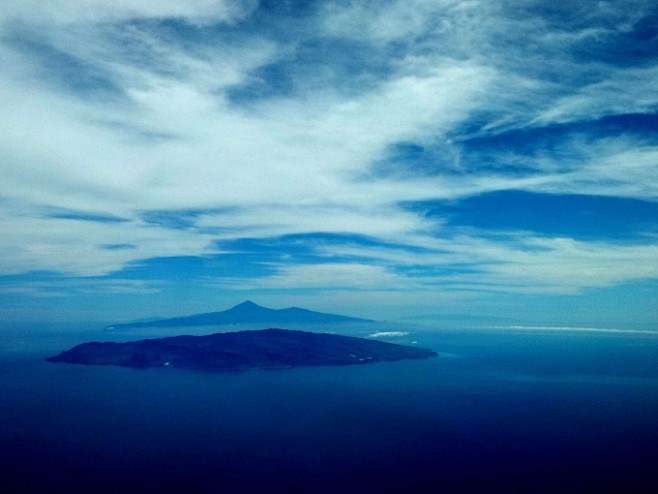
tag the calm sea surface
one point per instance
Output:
(496, 412)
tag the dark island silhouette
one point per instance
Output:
(242, 350)
(245, 313)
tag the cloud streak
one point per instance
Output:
(234, 121)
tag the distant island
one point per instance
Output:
(242, 350)
(245, 313)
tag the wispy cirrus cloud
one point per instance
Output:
(204, 123)
(517, 263)
(101, 11)
(84, 247)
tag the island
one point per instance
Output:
(245, 313)
(242, 350)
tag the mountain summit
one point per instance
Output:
(246, 306)
(247, 312)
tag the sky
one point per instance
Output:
(459, 160)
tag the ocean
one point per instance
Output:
(498, 411)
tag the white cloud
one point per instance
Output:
(170, 137)
(578, 329)
(621, 91)
(352, 276)
(100, 11)
(84, 248)
(518, 263)
(287, 166)
(388, 334)
(387, 22)
(612, 166)
(65, 287)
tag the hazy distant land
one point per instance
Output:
(245, 313)
(242, 350)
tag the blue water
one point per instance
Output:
(496, 412)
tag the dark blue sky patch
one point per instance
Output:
(438, 274)
(171, 268)
(287, 8)
(525, 140)
(273, 21)
(82, 216)
(267, 248)
(348, 67)
(180, 219)
(644, 125)
(311, 248)
(504, 152)
(64, 70)
(576, 216)
(135, 133)
(408, 159)
(555, 15)
(118, 246)
(30, 276)
(137, 49)
(281, 20)
(188, 268)
(300, 247)
(636, 47)
(312, 59)
(592, 37)
(273, 80)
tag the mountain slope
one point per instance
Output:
(246, 313)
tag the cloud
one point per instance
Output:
(206, 114)
(101, 11)
(388, 22)
(620, 91)
(514, 262)
(80, 287)
(388, 334)
(353, 276)
(578, 329)
(80, 247)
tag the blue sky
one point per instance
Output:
(382, 159)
